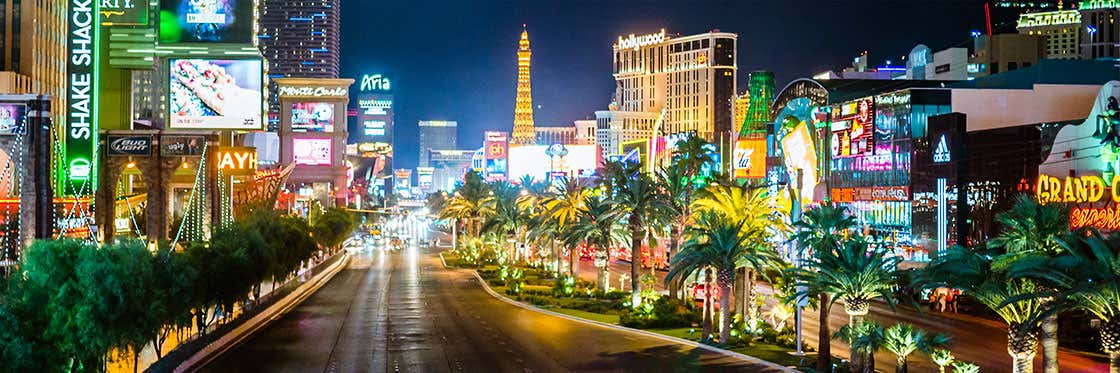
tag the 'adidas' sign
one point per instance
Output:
(941, 154)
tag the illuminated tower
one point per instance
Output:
(523, 132)
(761, 92)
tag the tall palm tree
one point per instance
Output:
(750, 205)
(822, 228)
(1031, 229)
(637, 198)
(693, 153)
(508, 218)
(853, 274)
(1010, 297)
(563, 207)
(600, 230)
(903, 339)
(679, 188)
(722, 244)
(470, 204)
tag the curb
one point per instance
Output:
(260, 321)
(663, 337)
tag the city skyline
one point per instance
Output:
(572, 45)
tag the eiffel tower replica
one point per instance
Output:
(523, 132)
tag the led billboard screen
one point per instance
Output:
(11, 118)
(215, 94)
(206, 21)
(749, 159)
(853, 128)
(311, 152)
(534, 161)
(313, 117)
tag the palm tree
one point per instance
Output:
(600, 229)
(864, 338)
(942, 358)
(1012, 298)
(637, 198)
(822, 228)
(903, 339)
(722, 244)
(852, 273)
(508, 218)
(1088, 271)
(750, 205)
(965, 367)
(679, 188)
(563, 208)
(692, 154)
(1031, 229)
(470, 203)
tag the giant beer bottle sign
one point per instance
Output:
(78, 173)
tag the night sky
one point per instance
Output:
(455, 60)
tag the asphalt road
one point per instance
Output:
(402, 312)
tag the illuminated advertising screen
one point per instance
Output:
(375, 118)
(311, 152)
(749, 159)
(853, 128)
(313, 117)
(424, 177)
(535, 161)
(11, 118)
(206, 21)
(215, 94)
(800, 154)
(635, 151)
(496, 149)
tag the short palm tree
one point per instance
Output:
(864, 338)
(1010, 297)
(599, 230)
(942, 358)
(903, 339)
(1029, 231)
(822, 228)
(637, 198)
(965, 367)
(854, 274)
(722, 244)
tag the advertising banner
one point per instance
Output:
(181, 146)
(79, 170)
(853, 128)
(749, 159)
(313, 117)
(497, 154)
(206, 21)
(215, 94)
(129, 145)
(236, 160)
(311, 152)
(11, 118)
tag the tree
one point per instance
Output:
(333, 227)
(600, 230)
(903, 339)
(114, 312)
(822, 228)
(1030, 229)
(470, 203)
(171, 294)
(564, 208)
(864, 338)
(942, 358)
(679, 188)
(638, 199)
(1010, 297)
(723, 244)
(854, 274)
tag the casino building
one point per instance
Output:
(671, 84)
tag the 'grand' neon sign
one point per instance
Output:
(1083, 189)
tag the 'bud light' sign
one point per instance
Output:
(129, 145)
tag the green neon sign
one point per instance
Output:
(79, 152)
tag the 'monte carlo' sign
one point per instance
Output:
(79, 171)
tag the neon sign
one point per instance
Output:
(942, 154)
(1084, 189)
(637, 41)
(313, 91)
(375, 83)
(80, 148)
(237, 160)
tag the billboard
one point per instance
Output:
(424, 177)
(853, 128)
(11, 118)
(635, 151)
(311, 152)
(534, 161)
(181, 146)
(749, 159)
(78, 173)
(313, 117)
(206, 21)
(129, 145)
(375, 118)
(800, 155)
(496, 151)
(215, 94)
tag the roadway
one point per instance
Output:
(401, 311)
